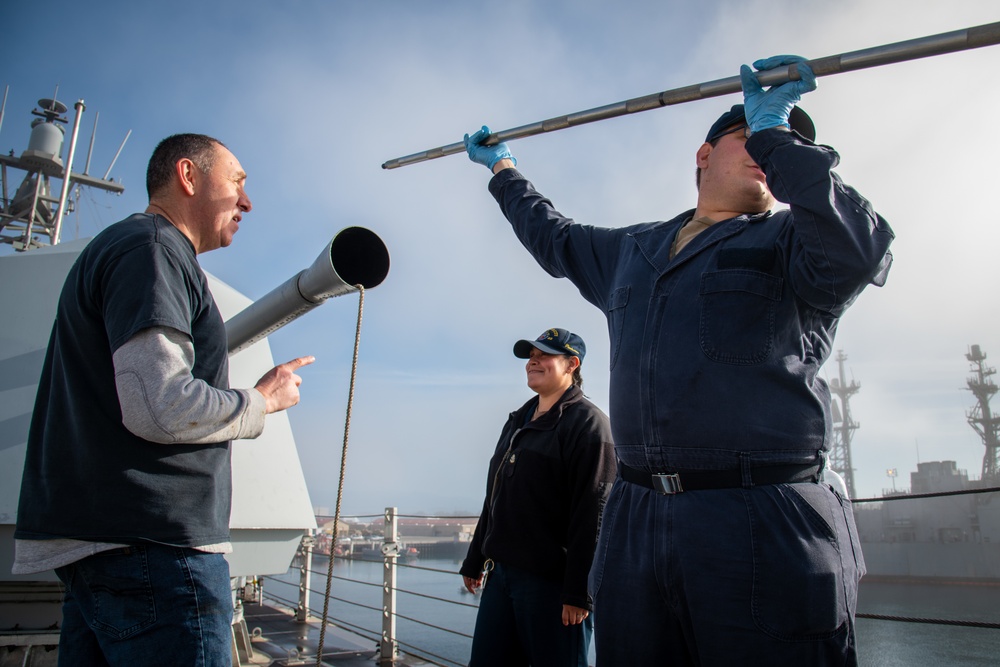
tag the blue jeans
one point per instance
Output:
(147, 605)
(520, 623)
(752, 577)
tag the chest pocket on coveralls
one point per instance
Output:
(616, 320)
(737, 312)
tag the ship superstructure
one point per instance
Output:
(31, 216)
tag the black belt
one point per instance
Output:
(669, 483)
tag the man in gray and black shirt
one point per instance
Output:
(127, 483)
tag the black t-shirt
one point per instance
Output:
(86, 476)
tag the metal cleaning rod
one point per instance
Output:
(934, 45)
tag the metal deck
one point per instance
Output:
(278, 639)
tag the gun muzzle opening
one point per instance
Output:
(355, 256)
(359, 257)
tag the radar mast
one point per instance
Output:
(32, 217)
(981, 418)
(844, 425)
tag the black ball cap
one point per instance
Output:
(798, 119)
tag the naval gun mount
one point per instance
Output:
(355, 256)
(271, 507)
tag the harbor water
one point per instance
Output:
(430, 625)
(884, 643)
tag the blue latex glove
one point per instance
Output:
(770, 108)
(486, 155)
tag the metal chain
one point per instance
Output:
(340, 486)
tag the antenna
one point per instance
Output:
(4, 106)
(64, 195)
(115, 159)
(90, 151)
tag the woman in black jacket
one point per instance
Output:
(548, 479)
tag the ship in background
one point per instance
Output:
(946, 527)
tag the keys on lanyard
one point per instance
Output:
(487, 568)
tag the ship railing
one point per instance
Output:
(385, 609)
(385, 633)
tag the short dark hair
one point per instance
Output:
(198, 148)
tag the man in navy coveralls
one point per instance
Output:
(722, 542)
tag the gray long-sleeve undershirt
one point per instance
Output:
(162, 402)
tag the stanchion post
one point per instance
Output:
(308, 542)
(389, 647)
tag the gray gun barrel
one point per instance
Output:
(355, 256)
(934, 45)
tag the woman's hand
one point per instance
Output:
(573, 615)
(472, 584)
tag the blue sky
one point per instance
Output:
(313, 96)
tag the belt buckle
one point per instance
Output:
(667, 484)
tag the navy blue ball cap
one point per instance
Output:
(798, 119)
(553, 341)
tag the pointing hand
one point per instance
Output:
(280, 385)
